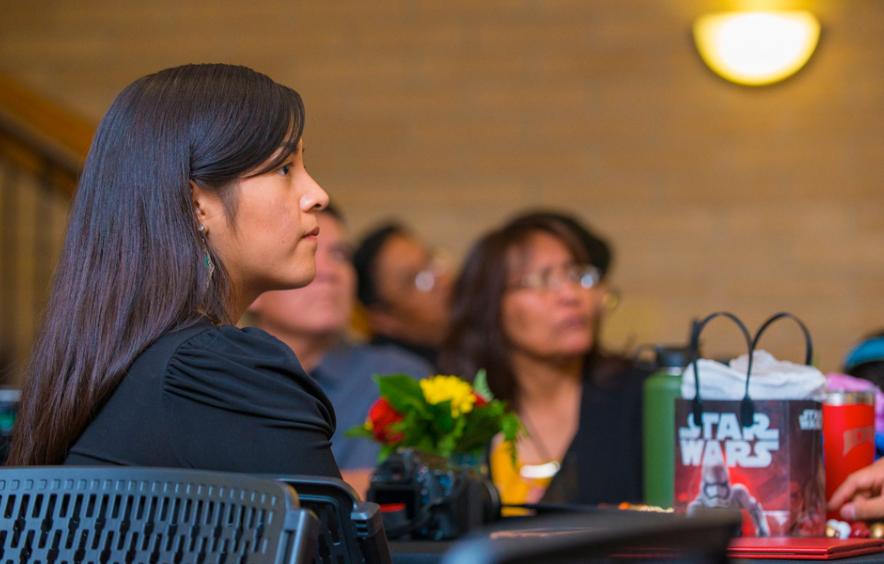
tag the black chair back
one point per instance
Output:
(351, 530)
(127, 514)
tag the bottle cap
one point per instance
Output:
(669, 356)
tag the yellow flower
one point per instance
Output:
(449, 388)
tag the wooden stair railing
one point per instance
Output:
(38, 134)
(42, 149)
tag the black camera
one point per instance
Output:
(426, 497)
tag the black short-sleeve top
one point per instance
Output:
(214, 398)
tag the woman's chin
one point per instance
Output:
(302, 277)
(560, 354)
(291, 281)
(577, 342)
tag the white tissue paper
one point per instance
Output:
(772, 379)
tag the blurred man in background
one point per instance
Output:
(405, 289)
(313, 321)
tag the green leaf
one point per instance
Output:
(441, 416)
(457, 433)
(512, 449)
(480, 427)
(511, 427)
(495, 407)
(426, 444)
(402, 391)
(385, 452)
(358, 432)
(411, 427)
(480, 385)
(446, 446)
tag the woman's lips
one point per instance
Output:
(574, 322)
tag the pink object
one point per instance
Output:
(859, 530)
(843, 382)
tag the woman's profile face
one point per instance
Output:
(553, 319)
(271, 241)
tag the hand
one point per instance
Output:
(861, 496)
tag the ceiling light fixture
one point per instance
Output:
(757, 47)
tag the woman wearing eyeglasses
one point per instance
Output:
(527, 308)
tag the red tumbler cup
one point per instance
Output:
(848, 436)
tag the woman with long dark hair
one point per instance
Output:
(193, 200)
(527, 308)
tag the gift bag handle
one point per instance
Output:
(808, 342)
(747, 410)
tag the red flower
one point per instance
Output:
(380, 417)
(480, 401)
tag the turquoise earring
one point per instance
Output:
(210, 264)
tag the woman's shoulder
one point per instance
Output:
(248, 346)
(245, 370)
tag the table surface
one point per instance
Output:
(575, 532)
(431, 552)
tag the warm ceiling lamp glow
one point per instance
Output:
(756, 48)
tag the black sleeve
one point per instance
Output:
(238, 400)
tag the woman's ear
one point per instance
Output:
(610, 299)
(198, 197)
(207, 207)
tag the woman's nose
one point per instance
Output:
(314, 197)
(567, 289)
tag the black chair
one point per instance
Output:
(603, 536)
(351, 530)
(127, 514)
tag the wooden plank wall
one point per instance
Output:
(454, 115)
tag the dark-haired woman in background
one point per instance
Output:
(194, 199)
(527, 308)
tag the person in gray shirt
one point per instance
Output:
(344, 374)
(313, 321)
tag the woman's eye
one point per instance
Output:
(285, 169)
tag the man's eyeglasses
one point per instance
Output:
(428, 278)
(550, 279)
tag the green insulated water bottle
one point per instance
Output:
(660, 391)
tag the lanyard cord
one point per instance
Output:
(543, 470)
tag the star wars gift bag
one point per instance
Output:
(757, 448)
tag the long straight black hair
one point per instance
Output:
(134, 263)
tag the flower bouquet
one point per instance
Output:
(440, 415)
